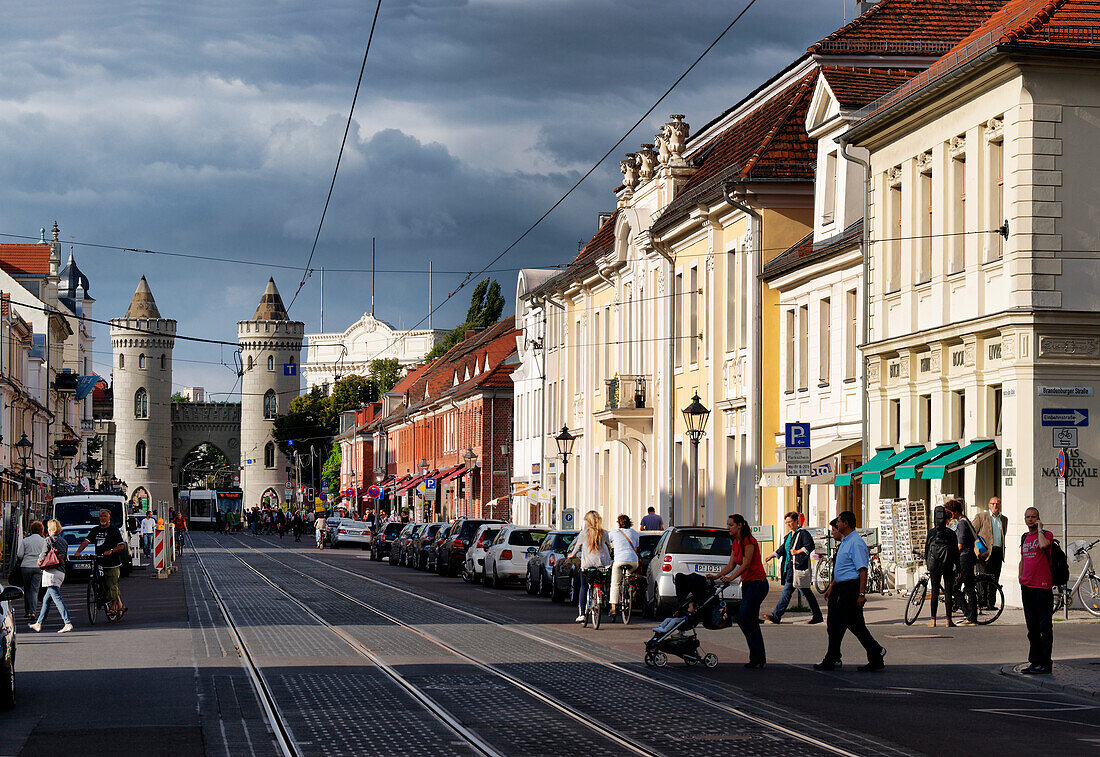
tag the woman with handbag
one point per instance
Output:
(52, 562)
(30, 575)
(794, 555)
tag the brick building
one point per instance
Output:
(451, 421)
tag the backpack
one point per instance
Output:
(1059, 565)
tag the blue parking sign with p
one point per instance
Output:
(798, 434)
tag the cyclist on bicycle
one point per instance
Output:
(109, 549)
(320, 529)
(592, 545)
(624, 541)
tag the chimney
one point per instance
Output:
(862, 6)
(601, 219)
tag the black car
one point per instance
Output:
(400, 548)
(541, 565)
(421, 543)
(433, 548)
(565, 579)
(452, 550)
(384, 539)
(8, 595)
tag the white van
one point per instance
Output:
(84, 509)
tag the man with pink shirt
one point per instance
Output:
(1036, 590)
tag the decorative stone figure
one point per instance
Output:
(647, 162)
(629, 167)
(674, 136)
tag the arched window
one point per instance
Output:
(141, 361)
(269, 455)
(141, 403)
(163, 362)
(270, 405)
(271, 362)
(250, 363)
(121, 361)
(139, 455)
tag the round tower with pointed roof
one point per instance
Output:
(271, 349)
(141, 343)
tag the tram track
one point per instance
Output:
(775, 728)
(480, 744)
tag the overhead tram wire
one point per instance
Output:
(579, 181)
(347, 127)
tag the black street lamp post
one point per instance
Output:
(695, 418)
(565, 442)
(25, 445)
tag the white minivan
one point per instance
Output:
(84, 509)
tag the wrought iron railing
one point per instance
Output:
(627, 392)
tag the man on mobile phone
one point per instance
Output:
(1037, 592)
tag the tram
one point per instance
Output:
(202, 506)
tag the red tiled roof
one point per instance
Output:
(855, 87)
(1043, 24)
(769, 143)
(601, 243)
(25, 259)
(805, 251)
(909, 27)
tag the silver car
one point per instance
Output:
(350, 533)
(8, 595)
(506, 559)
(686, 549)
(473, 568)
(540, 568)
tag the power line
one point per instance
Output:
(579, 181)
(347, 127)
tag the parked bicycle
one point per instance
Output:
(984, 586)
(97, 596)
(876, 576)
(1087, 585)
(823, 572)
(598, 584)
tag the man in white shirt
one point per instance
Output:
(148, 527)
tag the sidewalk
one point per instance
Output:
(1079, 677)
(122, 688)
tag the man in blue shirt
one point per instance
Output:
(846, 597)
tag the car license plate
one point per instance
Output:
(707, 568)
(82, 565)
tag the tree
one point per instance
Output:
(384, 373)
(177, 398)
(350, 393)
(486, 305)
(93, 465)
(330, 471)
(206, 466)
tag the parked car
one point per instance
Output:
(383, 541)
(349, 532)
(74, 536)
(682, 550)
(421, 543)
(506, 559)
(473, 567)
(432, 564)
(540, 567)
(401, 546)
(451, 553)
(8, 595)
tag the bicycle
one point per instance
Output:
(628, 592)
(984, 585)
(876, 576)
(1087, 585)
(598, 579)
(97, 596)
(823, 573)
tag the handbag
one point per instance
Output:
(981, 551)
(802, 579)
(49, 560)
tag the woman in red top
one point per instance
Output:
(745, 563)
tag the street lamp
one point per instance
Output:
(423, 466)
(695, 418)
(471, 460)
(24, 447)
(565, 442)
(79, 468)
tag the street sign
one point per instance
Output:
(290, 369)
(567, 519)
(798, 435)
(375, 492)
(289, 484)
(236, 479)
(349, 492)
(1060, 463)
(1064, 437)
(799, 469)
(798, 454)
(287, 492)
(1057, 416)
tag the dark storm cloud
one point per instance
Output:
(212, 127)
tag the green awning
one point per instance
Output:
(909, 470)
(874, 464)
(874, 477)
(938, 467)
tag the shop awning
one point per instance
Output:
(452, 473)
(776, 475)
(909, 470)
(875, 464)
(404, 486)
(967, 455)
(524, 489)
(907, 453)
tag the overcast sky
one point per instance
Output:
(213, 127)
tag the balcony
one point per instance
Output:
(628, 405)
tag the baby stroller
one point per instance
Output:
(701, 601)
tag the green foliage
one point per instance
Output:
(177, 397)
(350, 393)
(385, 373)
(331, 468)
(93, 465)
(486, 305)
(308, 422)
(206, 466)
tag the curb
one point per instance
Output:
(1044, 682)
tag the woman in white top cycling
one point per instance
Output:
(624, 540)
(591, 545)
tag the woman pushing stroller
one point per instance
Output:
(745, 563)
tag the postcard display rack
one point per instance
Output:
(903, 526)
